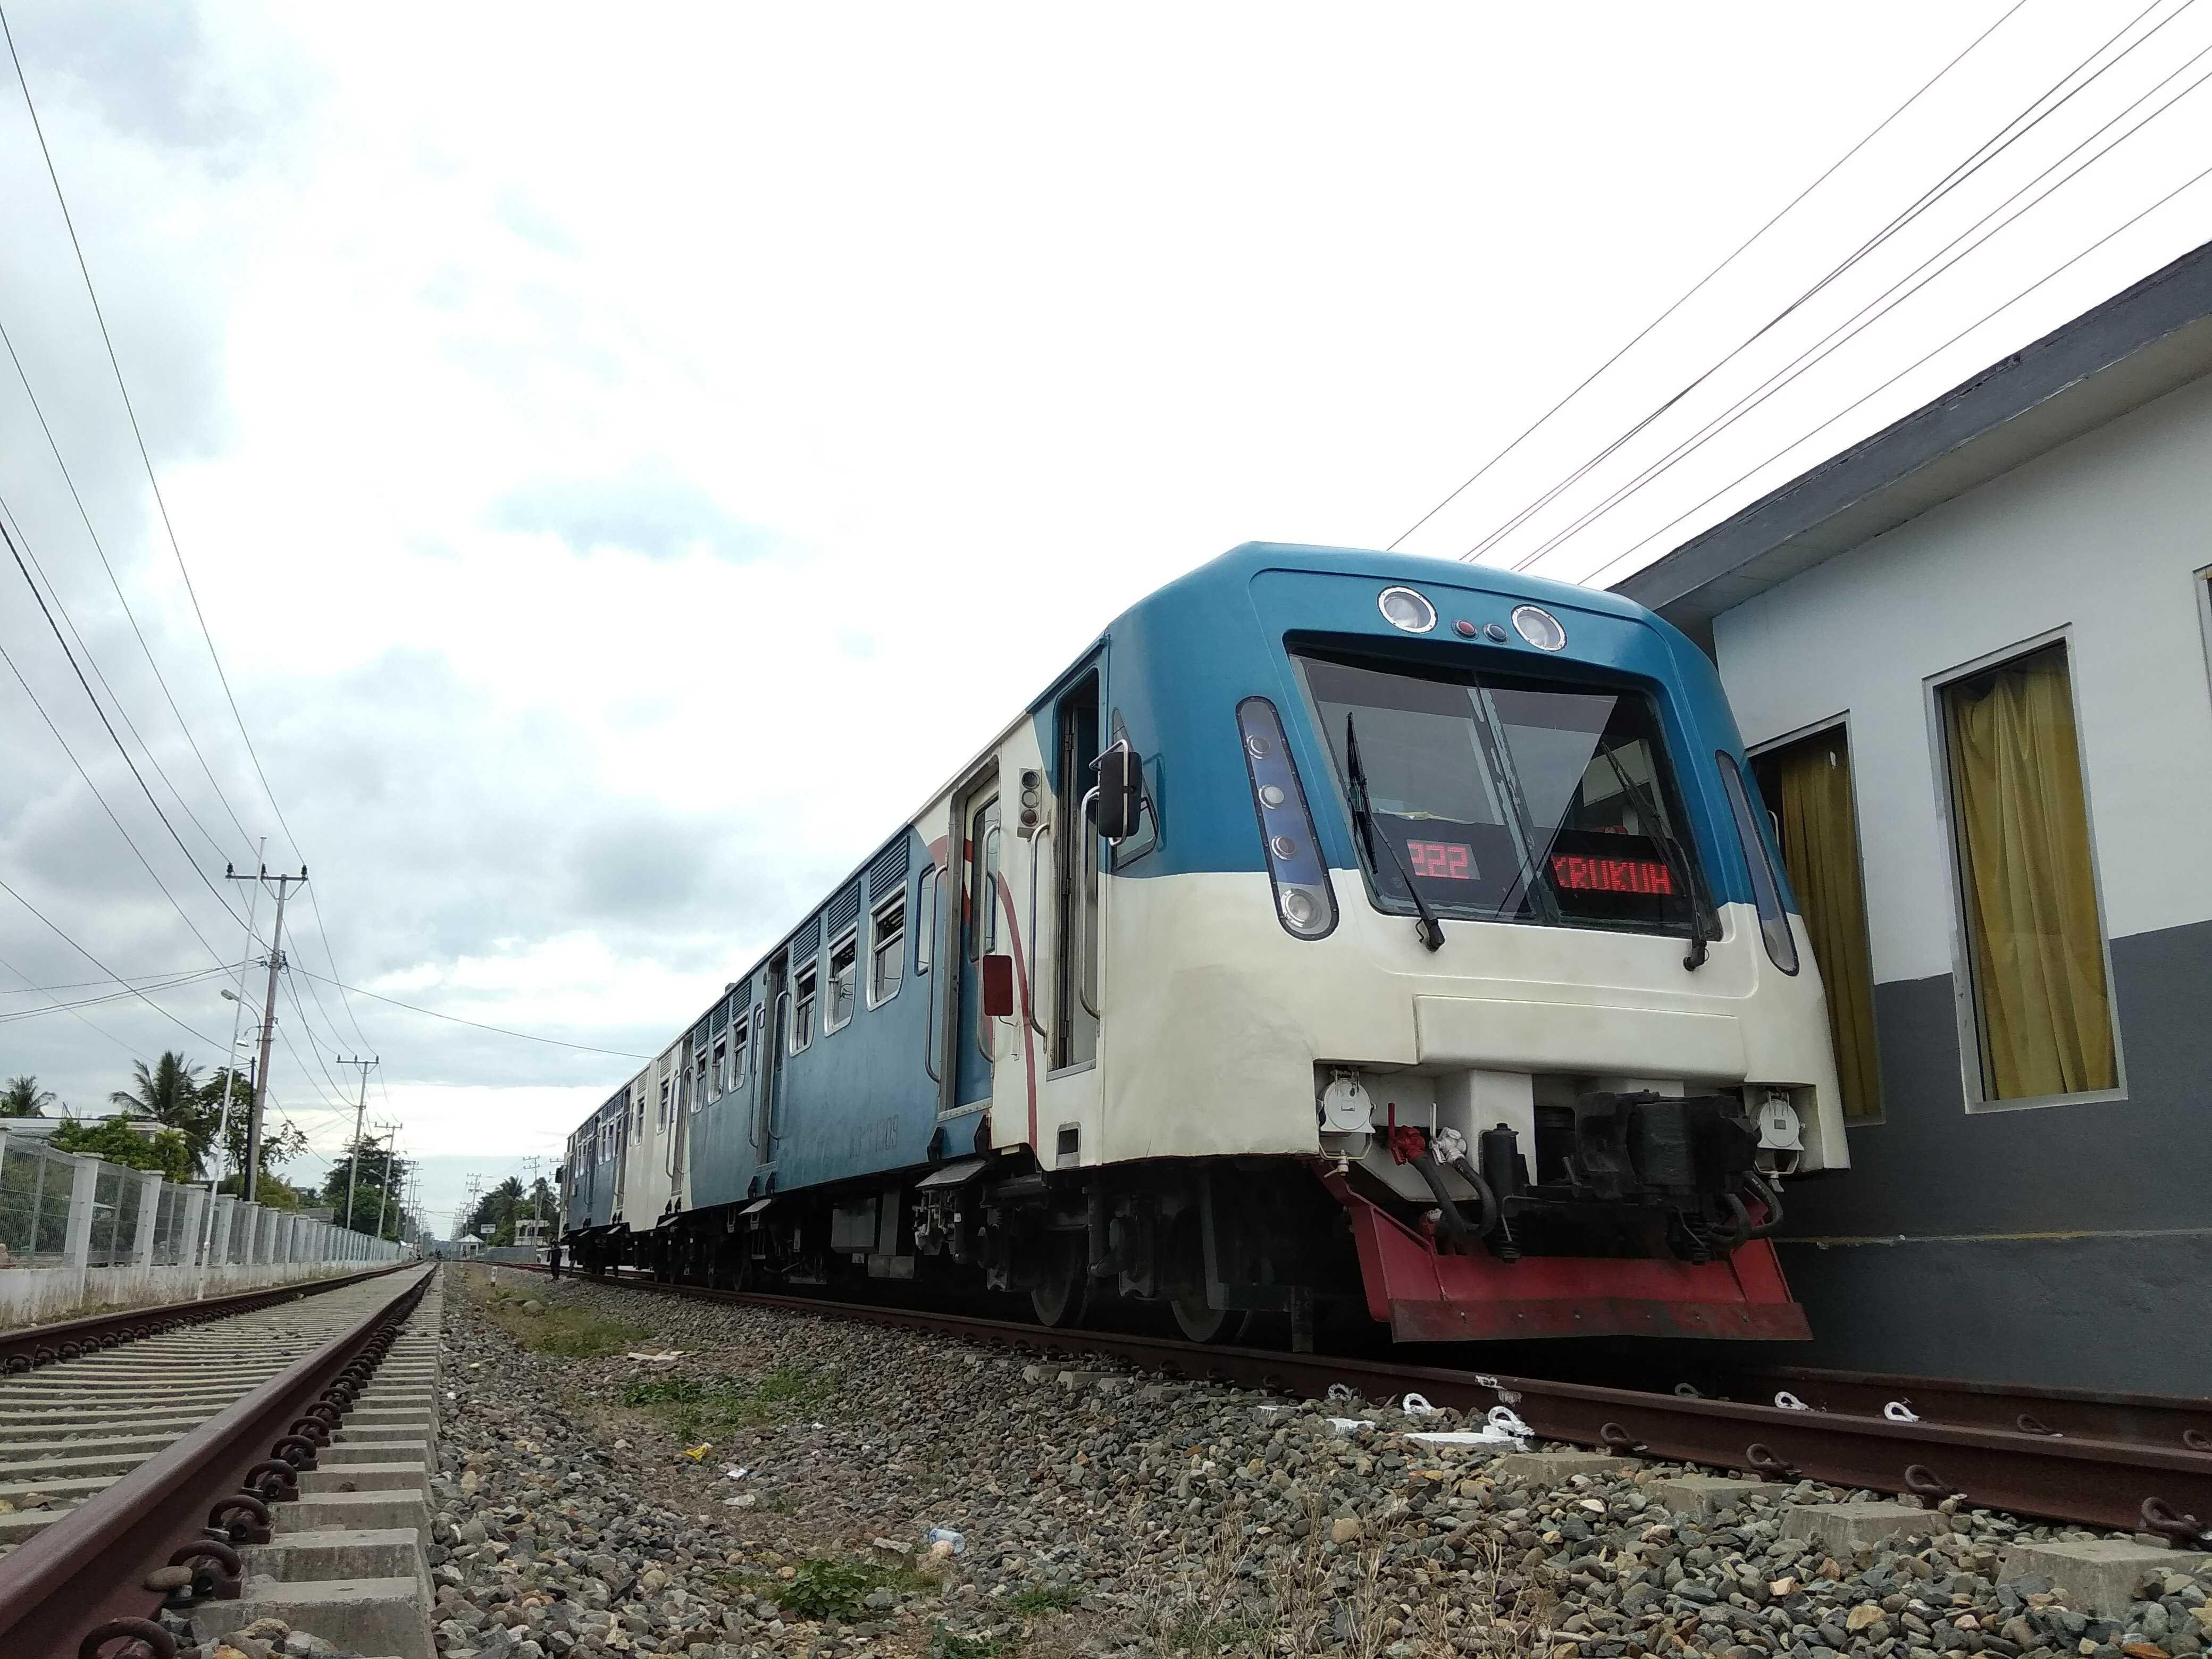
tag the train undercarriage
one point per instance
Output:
(1653, 1222)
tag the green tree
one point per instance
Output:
(381, 1181)
(22, 1098)
(114, 1139)
(169, 1093)
(498, 1210)
(280, 1142)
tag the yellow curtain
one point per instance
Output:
(2038, 950)
(1820, 845)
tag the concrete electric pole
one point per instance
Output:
(384, 1192)
(250, 1175)
(353, 1154)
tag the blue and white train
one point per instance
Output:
(1342, 935)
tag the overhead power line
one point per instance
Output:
(78, 1017)
(153, 482)
(1883, 303)
(2032, 115)
(502, 1030)
(100, 548)
(1986, 317)
(1697, 287)
(56, 930)
(198, 977)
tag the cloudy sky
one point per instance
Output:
(626, 458)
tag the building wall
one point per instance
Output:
(2020, 1242)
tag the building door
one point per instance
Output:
(975, 1038)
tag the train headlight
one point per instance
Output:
(1539, 627)
(1401, 607)
(1305, 903)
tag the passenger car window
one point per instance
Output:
(844, 958)
(802, 1010)
(886, 951)
(925, 919)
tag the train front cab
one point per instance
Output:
(1450, 887)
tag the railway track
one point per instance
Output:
(2126, 1462)
(210, 1461)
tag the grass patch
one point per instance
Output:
(1044, 1598)
(1214, 1636)
(693, 1405)
(569, 1332)
(827, 1588)
(951, 1644)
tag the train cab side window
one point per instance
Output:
(802, 1010)
(740, 1029)
(722, 1066)
(886, 950)
(664, 1103)
(1766, 884)
(698, 1080)
(844, 962)
(925, 919)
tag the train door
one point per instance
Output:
(771, 1044)
(1073, 852)
(622, 1156)
(975, 1037)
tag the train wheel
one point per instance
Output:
(1057, 1297)
(1201, 1323)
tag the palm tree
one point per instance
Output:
(169, 1094)
(22, 1098)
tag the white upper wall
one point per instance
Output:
(2101, 537)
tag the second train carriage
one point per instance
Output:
(1342, 931)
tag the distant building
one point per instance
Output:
(1973, 659)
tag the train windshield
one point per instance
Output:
(1505, 799)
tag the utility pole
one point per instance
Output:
(353, 1155)
(252, 1171)
(468, 1210)
(384, 1192)
(237, 1001)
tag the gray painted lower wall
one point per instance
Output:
(2069, 1245)
(2124, 1314)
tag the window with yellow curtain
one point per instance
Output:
(1809, 783)
(2020, 823)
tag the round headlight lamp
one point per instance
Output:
(1403, 608)
(1539, 627)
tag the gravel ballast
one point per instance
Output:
(1103, 1512)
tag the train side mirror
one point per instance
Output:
(1120, 791)
(998, 987)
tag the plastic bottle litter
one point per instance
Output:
(946, 1535)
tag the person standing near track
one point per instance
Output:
(553, 1258)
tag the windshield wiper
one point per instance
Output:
(1429, 930)
(1677, 860)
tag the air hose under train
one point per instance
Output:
(1453, 1146)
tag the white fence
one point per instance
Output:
(82, 1233)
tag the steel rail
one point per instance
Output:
(2150, 1419)
(2125, 1486)
(29, 1347)
(89, 1569)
